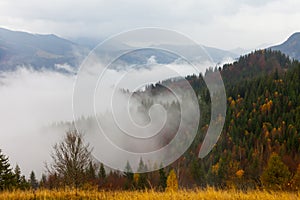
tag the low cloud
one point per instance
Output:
(31, 101)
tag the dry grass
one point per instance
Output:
(147, 195)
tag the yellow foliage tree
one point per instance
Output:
(136, 178)
(172, 182)
(240, 173)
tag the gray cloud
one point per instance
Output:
(225, 24)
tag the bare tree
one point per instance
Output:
(71, 158)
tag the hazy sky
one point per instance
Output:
(225, 24)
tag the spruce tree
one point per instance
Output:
(142, 180)
(162, 179)
(102, 173)
(32, 181)
(20, 181)
(129, 176)
(7, 179)
(276, 175)
(91, 171)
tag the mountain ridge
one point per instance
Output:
(40, 51)
(35, 50)
(291, 46)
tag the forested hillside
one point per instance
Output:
(259, 145)
(263, 117)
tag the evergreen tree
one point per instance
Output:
(91, 171)
(198, 172)
(102, 173)
(33, 181)
(142, 178)
(7, 178)
(276, 175)
(162, 179)
(20, 181)
(129, 176)
(17, 172)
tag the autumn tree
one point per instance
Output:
(172, 182)
(71, 159)
(276, 175)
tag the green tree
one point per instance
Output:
(18, 177)
(20, 181)
(7, 178)
(142, 178)
(197, 171)
(295, 183)
(276, 175)
(91, 171)
(162, 179)
(172, 182)
(102, 173)
(33, 181)
(129, 176)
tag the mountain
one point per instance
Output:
(50, 51)
(169, 53)
(35, 50)
(219, 55)
(256, 63)
(291, 46)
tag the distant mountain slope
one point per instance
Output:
(257, 63)
(291, 46)
(47, 51)
(37, 51)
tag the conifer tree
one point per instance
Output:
(162, 179)
(102, 173)
(129, 176)
(33, 181)
(7, 178)
(276, 175)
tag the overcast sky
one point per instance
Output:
(225, 24)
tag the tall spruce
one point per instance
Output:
(7, 178)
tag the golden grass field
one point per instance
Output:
(150, 194)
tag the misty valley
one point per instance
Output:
(145, 122)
